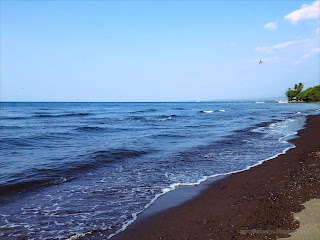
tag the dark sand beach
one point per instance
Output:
(258, 203)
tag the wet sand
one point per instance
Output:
(255, 204)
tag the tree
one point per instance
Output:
(310, 95)
(291, 94)
(298, 87)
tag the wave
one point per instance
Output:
(34, 140)
(90, 129)
(117, 154)
(37, 115)
(173, 187)
(151, 119)
(12, 118)
(75, 114)
(15, 142)
(10, 127)
(211, 111)
(44, 115)
(22, 186)
(164, 119)
(170, 135)
(146, 111)
(263, 126)
(135, 118)
(56, 174)
(275, 126)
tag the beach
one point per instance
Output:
(96, 170)
(159, 119)
(258, 203)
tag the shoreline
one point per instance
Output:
(206, 209)
(182, 193)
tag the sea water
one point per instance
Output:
(70, 169)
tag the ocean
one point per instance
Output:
(69, 169)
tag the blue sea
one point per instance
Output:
(70, 169)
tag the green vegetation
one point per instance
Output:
(298, 87)
(291, 94)
(310, 95)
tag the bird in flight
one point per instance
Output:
(260, 61)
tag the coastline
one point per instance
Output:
(254, 203)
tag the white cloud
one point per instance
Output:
(272, 49)
(291, 52)
(305, 12)
(271, 25)
(312, 53)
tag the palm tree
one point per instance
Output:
(298, 87)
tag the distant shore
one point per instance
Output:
(252, 204)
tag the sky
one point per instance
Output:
(149, 51)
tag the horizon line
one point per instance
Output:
(187, 101)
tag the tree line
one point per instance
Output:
(309, 95)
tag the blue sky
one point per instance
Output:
(156, 50)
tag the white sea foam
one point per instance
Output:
(78, 235)
(259, 129)
(165, 119)
(287, 136)
(207, 111)
(222, 110)
(274, 128)
(165, 190)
